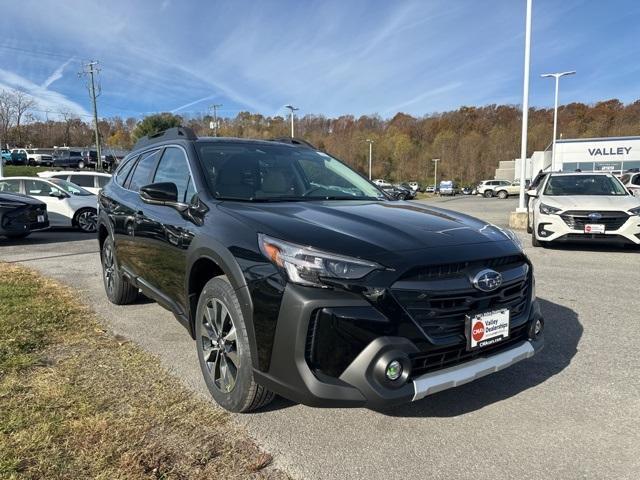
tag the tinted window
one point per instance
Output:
(141, 176)
(63, 176)
(191, 191)
(39, 188)
(173, 168)
(584, 185)
(102, 181)
(12, 186)
(123, 171)
(636, 180)
(82, 180)
(75, 154)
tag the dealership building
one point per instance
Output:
(614, 154)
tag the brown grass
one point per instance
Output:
(75, 402)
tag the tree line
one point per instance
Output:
(469, 141)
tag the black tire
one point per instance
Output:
(502, 194)
(529, 229)
(118, 289)
(223, 350)
(86, 220)
(488, 194)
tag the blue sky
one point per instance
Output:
(328, 57)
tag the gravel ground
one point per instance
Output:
(570, 412)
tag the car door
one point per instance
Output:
(54, 197)
(162, 229)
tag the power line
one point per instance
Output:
(35, 52)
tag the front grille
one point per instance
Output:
(576, 220)
(446, 270)
(442, 315)
(422, 363)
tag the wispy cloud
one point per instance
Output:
(56, 75)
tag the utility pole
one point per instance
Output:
(293, 109)
(435, 174)
(522, 208)
(370, 142)
(90, 69)
(1, 160)
(215, 108)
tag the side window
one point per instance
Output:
(123, 170)
(191, 191)
(173, 168)
(11, 186)
(141, 175)
(39, 188)
(82, 180)
(102, 181)
(636, 180)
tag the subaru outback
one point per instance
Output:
(297, 276)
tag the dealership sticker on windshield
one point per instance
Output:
(593, 228)
(489, 328)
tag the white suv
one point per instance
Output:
(91, 181)
(488, 188)
(583, 206)
(631, 180)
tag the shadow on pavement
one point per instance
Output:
(562, 335)
(57, 235)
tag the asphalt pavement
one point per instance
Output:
(570, 412)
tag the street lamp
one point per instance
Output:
(370, 142)
(525, 108)
(435, 174)
(555, 112)
(293, 109)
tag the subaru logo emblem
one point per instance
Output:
(595, 216)
(487, 280)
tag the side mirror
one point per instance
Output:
(58, 194)
(163, 193)
(532, 193)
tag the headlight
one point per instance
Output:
(548, 210)
(635, 211)
(306, 265)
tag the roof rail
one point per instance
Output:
(175, 133)
(299, 142)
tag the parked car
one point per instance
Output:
(631, 180)
(447, 187)
(488, 188)
(583, 207)
(506, 189)
(6, 156)
(69, 159)
(20, 215)
(18, 156)
(90, 181)
(296, 277)
(409, 193)
(466, 190)
(36, 158)
(67, 204)
(430, 189)
(414, 186)
(382, 183)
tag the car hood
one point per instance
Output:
(365, 229)
(592, 202)
(19, 197)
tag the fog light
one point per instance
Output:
(394, 370)
(537, 329)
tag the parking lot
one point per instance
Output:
(570, 412)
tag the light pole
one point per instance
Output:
(370, 142)
(215, 108)
(435, 174)
(525, 108)
(293, 109)
(555, 112)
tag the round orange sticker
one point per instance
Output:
(478, 331)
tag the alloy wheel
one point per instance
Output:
(219, 345)
(87, 221)
(108, 267)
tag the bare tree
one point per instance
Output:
(7, 114)
(22, 104)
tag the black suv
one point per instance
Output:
(297, 276)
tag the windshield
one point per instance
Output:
(70, 188)
(564, 185)
(258, 172)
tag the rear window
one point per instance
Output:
(82, 180)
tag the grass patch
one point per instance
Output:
(77, 402)
(23, 170)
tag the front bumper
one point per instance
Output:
(363, 382)
(551, 228)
